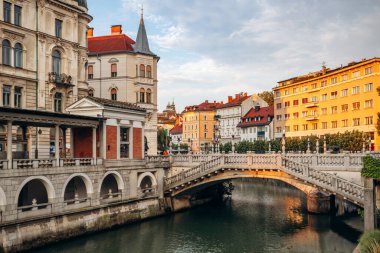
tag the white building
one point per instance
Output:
(176, 134)
(124, 70)
(229, 115)
(257, 124)
(43, 58)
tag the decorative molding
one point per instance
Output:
(12, 34)
(113, 60)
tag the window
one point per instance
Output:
(56, 62)
(356, 74)
(18, 55)
(295, 115)
(334, 94)
(205, 135)
(124, 142)
(114, 94)
(142, 95)
(314, 85)
(368, 87)
(17, 15)
(356, 106)
(344, 93)
(205, 126)
(287, 116)
(58, 28)
(149, 96)
(323, 83)
(90, 72)
(286, 104)
(304, 101)
(334, 124)
(58, 102)
(148, 71)
(205, 117)
(345, 108)
(114, 70)
(334, 109)
(279, 117)
(324, 111)
(6, 50)
(295, 128)
(278, 129)
(345, 123)
(334, 80)
(295, 90)
(7, 12)
(314, 126)
(356, 90)
(142, 70)
(17, 97)
(278, 106)
(344, 77)
(356, 121)
(287, 128)
(6, 95)
(304, 88)
(278, 94)
(324, 125)
(314, 99)
(305, 127)
(286, 92)
(324, 97)
(304, 114)
(295, 102)
(369, 120)
(90, 92)
(368, 70)
(369, 103)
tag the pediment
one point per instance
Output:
(85, 104)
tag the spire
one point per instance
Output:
(142, 44)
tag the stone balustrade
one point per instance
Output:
(48, 163)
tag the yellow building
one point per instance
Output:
(330, 101)
(199, 126)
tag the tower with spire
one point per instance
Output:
(126, 70)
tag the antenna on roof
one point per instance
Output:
(142, 11)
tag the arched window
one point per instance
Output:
(113, 70)
(6, 52)
(18, 55)
(90, 92)
(149, 96)
(90, 72)
(58, 102)
(142, 70)
(142, 95)
(113, 94)
(148, 71)
(56, 62)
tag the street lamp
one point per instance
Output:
(233, 146)
(283, 142)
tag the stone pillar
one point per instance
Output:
(56, 144)
(318, 202)
(103, 141)
(94, 144)
(72, 143)
(131, 141)
(9, 144)
(143, 140)
(64, 142)
(324, 145)
(369, 205)
(29, 144)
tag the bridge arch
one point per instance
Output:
(78, 185)
(146, 180)
(113, 181)
(37, 187)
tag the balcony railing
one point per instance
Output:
(48, 163)
(312, 104)
(311, 117)
(60, 78)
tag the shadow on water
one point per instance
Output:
(262, 216)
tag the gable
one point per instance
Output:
(84, 104)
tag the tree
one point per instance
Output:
(268, 97)
(162, 139)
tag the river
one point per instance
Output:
(262, 216)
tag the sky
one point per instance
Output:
(211, 49)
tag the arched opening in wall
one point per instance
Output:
(142, 70)
(149, 96)
(75, 191)
(6, 51)
(109, 188)
(147, 185)
(33, 196)
(56, 66)
(142, 95)
(18, 51)
(90, 92)
(148, 71)
(114, 94)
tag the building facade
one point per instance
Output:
(199, 126)
(121, 69)
(43, 58)
(229, 115)
(330, 101)
(176, 134)
(257, 124)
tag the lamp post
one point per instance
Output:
(324, 145)
(283, 142)
(233, 146)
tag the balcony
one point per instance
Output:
(144, 80)
(60, 79)
(312, 104)
(311, 117)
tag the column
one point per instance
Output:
(9, 144)
(103, 141)
(64, 142)
(72, 143)
(131, 141)
(369, 205)
(143, 139)
(94, 144)
(57, 143)
(118, 142)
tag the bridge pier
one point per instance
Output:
(369, 205)
(318, 202)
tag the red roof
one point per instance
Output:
(177, 129)
(236, 101)
(205, 106)
(110, 43)
(263, 113)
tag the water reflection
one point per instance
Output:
(263, 216)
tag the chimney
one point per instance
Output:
(90, 32)
(229, 99)
(236, 96)
(206, 101)
(257, 107)
(116, 30)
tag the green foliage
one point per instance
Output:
(226, 147)
(268, 97)
(162, 139)
(371, 167)
(368, 240)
